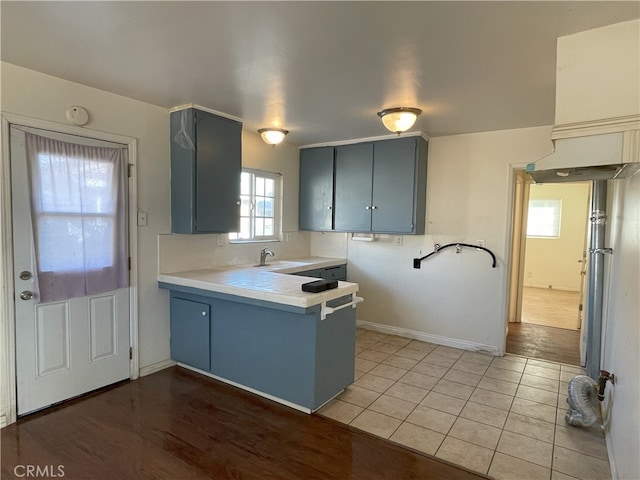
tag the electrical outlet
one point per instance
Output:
(480, 243)
(220, 240)
(142, 218)
(397, 240)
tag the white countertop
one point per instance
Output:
(271, 283)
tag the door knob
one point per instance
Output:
(26, 295)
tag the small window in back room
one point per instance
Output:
(544, 218)
(259, 207)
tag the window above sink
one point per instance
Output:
(260, 207)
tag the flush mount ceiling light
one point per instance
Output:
(399, 119)
(272, 136)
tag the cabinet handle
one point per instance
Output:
(329, 208)
(373, 207)
(204, 313)
(368, 207)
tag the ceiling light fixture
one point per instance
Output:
(399, 119)
(272, 136)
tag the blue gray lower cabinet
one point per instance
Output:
(191, 332)
(337, 272)
(285, 352)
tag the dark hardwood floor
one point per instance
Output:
(176, 424)
(545, 343)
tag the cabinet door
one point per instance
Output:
(183, 172)
(190, 329)
(218, 168)
(339, 272)
(316, 273)
(354, 167)
(394, 175)
(316, 189)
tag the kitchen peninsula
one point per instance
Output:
(255, 328)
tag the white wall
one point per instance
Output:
(598, 73)
(622, 330)
(456, 299)
(554, 261)
(33, 94)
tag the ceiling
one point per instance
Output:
(320, 69)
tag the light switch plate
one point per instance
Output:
(142, 218)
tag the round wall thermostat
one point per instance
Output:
(77, 115)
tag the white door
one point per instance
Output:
(63, 348)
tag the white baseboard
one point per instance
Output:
(612, 459)
(3, 421)
(249, 389)
(546, 287)
(426, 337)
(156, 367)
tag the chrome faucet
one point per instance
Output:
(263, 256)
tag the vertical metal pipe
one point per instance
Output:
(595, 294)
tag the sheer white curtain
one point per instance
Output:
(78, 211)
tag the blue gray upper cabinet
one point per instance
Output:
(381, 186)
(399, 186)
(205, 179)
(316, 189)
(354, 170)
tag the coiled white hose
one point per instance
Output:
(583, 401)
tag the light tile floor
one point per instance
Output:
(501, 416)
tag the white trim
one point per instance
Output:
(631, 146)
(508, 239)
(204, 109)
(3, 421)
(134, 362)
(555, 289)
(612, 459)
(426, 337)
(8, 406)
(367, 139)
(596, 127)
(248, 389)
(156, 367)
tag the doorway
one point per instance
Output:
(70, 256)
(107, 320)
(547, 294)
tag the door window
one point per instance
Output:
(78, 217)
